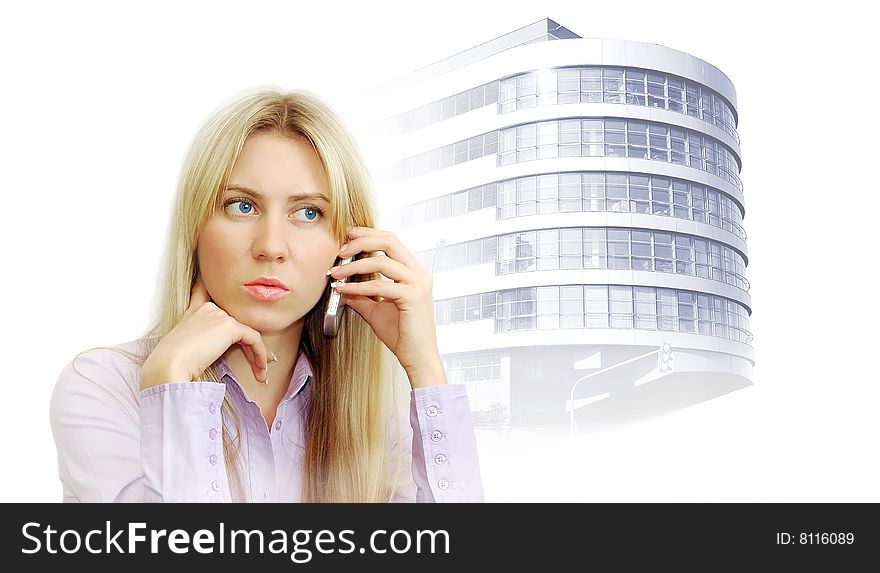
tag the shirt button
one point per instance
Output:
(215, 485)
(212, 408)
(443, 484)
(436, 435)
(213, 460)
(213, 433)
(278, 425)
(431, 411)
(440, 459)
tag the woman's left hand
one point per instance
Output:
(404, 318)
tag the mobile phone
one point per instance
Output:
(334, 311)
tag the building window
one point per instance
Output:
(620, 298)
(611, 248)
(630, 86)
(594, 84)
(601, 306)
(621, 138)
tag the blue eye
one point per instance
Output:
(247, 210)
(313, 212)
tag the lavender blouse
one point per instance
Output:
(117, 443)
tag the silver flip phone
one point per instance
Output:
(334, 311)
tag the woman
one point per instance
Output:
(235, 393)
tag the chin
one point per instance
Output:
(268, 320)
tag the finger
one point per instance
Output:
(254, 340)
(394, 270)
(367, 239)
(382, 288)
(360, 304)
(198, 294)
(248, 353)
(259, 373)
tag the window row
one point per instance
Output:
(440, 110)
(595, 84)
(630, 86)
(586, 191)
(600, 306)
(618, 192)
(595, 248)
(450, 205)
(478, 251)
(619, 249)
(581, 137)
(473, 366)
(446, 156)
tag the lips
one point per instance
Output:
(267, 288)
(263, 292)
(268, 282)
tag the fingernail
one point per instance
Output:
(274, 358)
(336, 284)
(343, 248)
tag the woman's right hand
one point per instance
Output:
(203, 334)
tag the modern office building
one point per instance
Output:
(580, 204)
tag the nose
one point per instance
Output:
(269, 242)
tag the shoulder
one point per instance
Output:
(106, 373)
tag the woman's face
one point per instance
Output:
(268, 226)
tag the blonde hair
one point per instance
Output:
(353, 392)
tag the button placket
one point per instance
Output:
(432, 413)
(212, 433)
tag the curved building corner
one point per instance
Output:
(579, 203)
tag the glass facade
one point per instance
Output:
(586, 191)
(630, 86)
(469, 367)
(607, 130)
(611, 248)
(440, 110)
(582, 137)
(581, 84)
(600, 306)
(450, 205)
(618, 193)
(446, 156)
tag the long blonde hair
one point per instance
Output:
(347, 421)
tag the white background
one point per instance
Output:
(101, 100)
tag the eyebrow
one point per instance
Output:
(290, 198)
